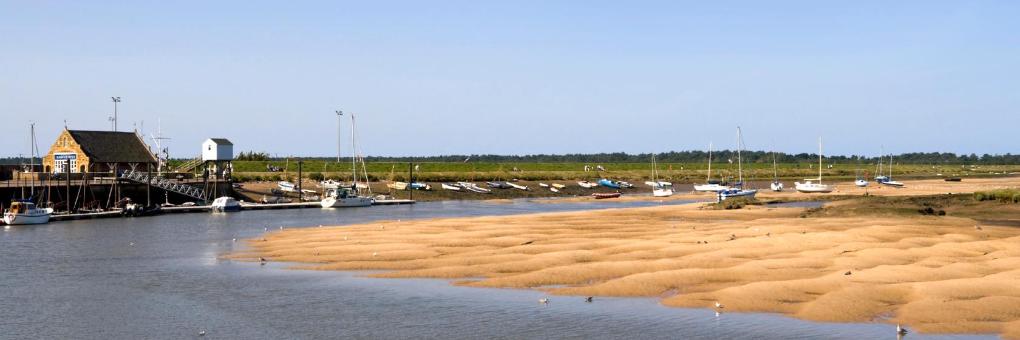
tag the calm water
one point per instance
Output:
(84, 280)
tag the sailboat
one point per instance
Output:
(809, 185)
(347, 197)
(888, 179)
(710, 185)
(738, 190)
(879, 177)
(776, 184)
(860, 181)
(659, 189)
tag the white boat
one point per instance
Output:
(397, 185)
(544, 185)
(860, 181)
(888, 180)
(330, 184)
(587, 185)
(659, 188)
(738, 190)
(710, 185)
(554, 189)
(23, 213)
(776, 185)
(451, 186)
(809, 185)
(517, 186)
(344, 197)
(225, 204)
(286, 186)
(559, 186)
(473, 188)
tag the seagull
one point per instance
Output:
(589, 299)
(901, 330)
(281, 227)
(847, 273)
(235, 240)
(543, 301)
(719, 305)
(201, 333)
(132, 244)
(265, 229)
(375, 254)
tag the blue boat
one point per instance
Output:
(608, 183)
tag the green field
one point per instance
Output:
(677, 172)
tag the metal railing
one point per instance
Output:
(166, 184)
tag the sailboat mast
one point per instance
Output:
(354, 156)
(709, 177)
(740, 168)
(32, 165)
(655, 171)
(819, 160)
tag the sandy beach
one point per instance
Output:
(945, 274)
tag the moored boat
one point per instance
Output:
(559, 186)
(738, 189)
(286, 186)
(474, 188)
(601, 195)
(225, 204)
(587, 184)
(24, 213)
(451, 186)
(397, 185)
(344, 197)
(498, 185)
(809, 185)
(420, 186)
(608, 183)
(517, 186)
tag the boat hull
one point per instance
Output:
(347, 202)
(813, 188)
(601, 196)
(777, 186)
(727, 194)
(710, 187)
(662, 192)
(26, 219)
(450, 187)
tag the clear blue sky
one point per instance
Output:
(521, 77)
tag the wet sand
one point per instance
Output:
(934, 274)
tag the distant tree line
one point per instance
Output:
(721, 156)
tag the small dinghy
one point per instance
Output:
(499, 185)
(953, 179)
(397, 185)
(544, 185)
(451, 186)
(554, 190)
(625, 184)
(420, 186)
(225, 204)
(559, 186)
(474, 188)
(608, 183)
(587, 185)
(517, 186)
(600, 196)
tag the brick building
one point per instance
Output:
(79, 151)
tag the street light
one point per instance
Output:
(115, 101)
(339, 113)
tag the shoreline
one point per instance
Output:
(926, 272)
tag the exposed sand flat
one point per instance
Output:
(935, 274)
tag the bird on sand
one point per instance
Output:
(719, 305)
(543, 301)
(589, 299)
(901, 330)
(847, 273)
(201, 333)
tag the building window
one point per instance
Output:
(74, 164)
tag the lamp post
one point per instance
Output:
(115, 101)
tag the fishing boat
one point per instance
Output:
(659, 188)
(420, 186)
(559, 186)
(587, 184)
(286, 186)
(776, 185)
(710, 185)
(474, 188)
(397, 185)
(498, 185)
(225, 204)
(517, 186)
(25, 212)
(608, 183)
(600, 195)
(343, 198)
(809, 185)
(738, 190)
(451, 186)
